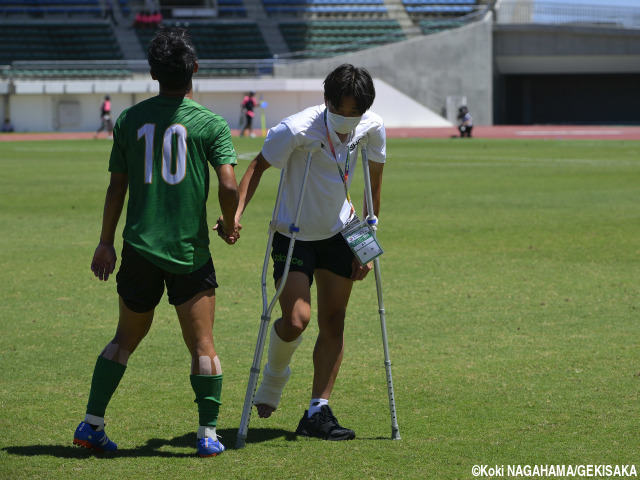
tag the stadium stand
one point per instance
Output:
(433, 16)
(48, 8)
(235, 36)
(231, 8)
(419, 9)
(58, 41)
(327, 38)
(215, 40)
(328, 8)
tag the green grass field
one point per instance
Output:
(511, 289)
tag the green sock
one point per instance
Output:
(106, 377)
(207, 389)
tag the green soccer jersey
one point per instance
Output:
(164, 145)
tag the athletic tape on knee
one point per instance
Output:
(216, 366)
(209, 366)
(204, 365)
(113, 352)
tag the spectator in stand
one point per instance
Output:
(155, 19)
(108, 11)
(145, 19)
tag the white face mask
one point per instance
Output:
(343, 124)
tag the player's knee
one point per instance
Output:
(333, 325)
(292, 327)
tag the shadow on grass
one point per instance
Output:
(153, 446)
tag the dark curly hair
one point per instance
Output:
(347, 81)
(172, 57)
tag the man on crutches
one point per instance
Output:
(320, 251)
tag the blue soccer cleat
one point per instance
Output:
(87, 437)
(208, 447)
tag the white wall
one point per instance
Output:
(74, 105)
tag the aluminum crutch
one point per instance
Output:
(372, 221)
(267, 306)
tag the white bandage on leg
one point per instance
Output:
(276, 371)
(113, 352)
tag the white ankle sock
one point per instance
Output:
(93, 420)
(204, 431)
(315, 404)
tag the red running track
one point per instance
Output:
(543, 132)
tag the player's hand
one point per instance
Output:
(104, 261)
(229, 235)
(358, 272)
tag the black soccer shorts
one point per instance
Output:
(141, 283)
(332, 254)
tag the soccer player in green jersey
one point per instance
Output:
(161, 154)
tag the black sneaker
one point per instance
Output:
(323, 425)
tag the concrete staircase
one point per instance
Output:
(268, 27)
(126, 36)
(396, 11)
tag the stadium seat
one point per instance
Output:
(58, 41)
(327, 38)
(218, 40)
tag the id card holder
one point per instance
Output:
(361, 240)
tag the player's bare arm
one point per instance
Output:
(249, 183)
(104, 257)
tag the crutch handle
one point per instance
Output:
(284, 227)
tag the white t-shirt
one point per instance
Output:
(325, 208)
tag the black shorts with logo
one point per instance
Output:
(332, 254)
(141, 283)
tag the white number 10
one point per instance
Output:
(171, 177)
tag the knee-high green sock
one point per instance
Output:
(106, 377)
(207, 389)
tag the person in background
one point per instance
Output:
(465, 122)
(109, 13)
(7, 126)
(248, 104)
(106, 123)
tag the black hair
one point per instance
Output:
(347, 81)
(172, 57)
